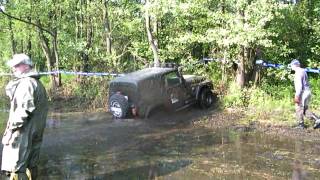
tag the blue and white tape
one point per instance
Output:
(263, 63)
(280, 66)
(72, 73)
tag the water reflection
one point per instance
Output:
(95, 146)
(53, 122)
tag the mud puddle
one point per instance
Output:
(94, 146)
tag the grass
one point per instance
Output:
(273, 106)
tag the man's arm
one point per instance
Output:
(298, 87)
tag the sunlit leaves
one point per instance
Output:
(188, 29)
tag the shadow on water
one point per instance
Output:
(94, 146)
(146, 172)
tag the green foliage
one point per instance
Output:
(315, 88)
(235, 97)
(186, 31)
(89, 92)
(274, 98)
(4, 100)
(45, 81)
(269, 103)
(267, 93)
(93, 92)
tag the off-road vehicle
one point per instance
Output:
(140, 92)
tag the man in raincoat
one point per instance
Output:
(27, 119)
(302, 95)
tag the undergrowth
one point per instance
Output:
(268, 103)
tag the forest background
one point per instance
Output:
(121, 36)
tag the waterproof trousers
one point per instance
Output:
(302, 108)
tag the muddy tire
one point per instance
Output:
(206, 98)
(118, 106)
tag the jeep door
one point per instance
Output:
(149, 95)
(175, 90)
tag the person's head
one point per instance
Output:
(20, 63)
(295, 64)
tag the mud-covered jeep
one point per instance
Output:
(139, 92)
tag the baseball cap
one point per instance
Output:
(19, 59)
(295, 62)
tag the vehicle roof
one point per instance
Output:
(142, 74)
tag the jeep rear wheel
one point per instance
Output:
(119, 106)
(206, 98)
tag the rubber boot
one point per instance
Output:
(300, 126)
(314, 117)
(32, 173)
(28, 172)
(316, 124)
(299, 117)
(18, 176)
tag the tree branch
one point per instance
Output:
(27, 22)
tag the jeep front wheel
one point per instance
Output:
(206, 98)
(118, 105)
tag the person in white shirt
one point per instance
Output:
(302, 95)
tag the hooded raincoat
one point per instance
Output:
(27, 119)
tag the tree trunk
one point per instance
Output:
(78, 33)
(86, 32)
(151, 39)
(107, 27)
(57, 78)
(241, 69)
(55, 54)
(240, 78)
(257, 69)
(245, 70)
(85, 55)
(29, 44)
(13, 41)
(48, 54)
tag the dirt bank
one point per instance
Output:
(233, 120)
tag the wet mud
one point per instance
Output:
(191, 144)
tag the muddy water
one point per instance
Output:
(94, 146)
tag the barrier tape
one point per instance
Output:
(71, 73)
(266, 64)
(280, 66)
(258, 62)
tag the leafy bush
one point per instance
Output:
(4, 100)
(235, 97)
(85, 92)
(315, 88)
